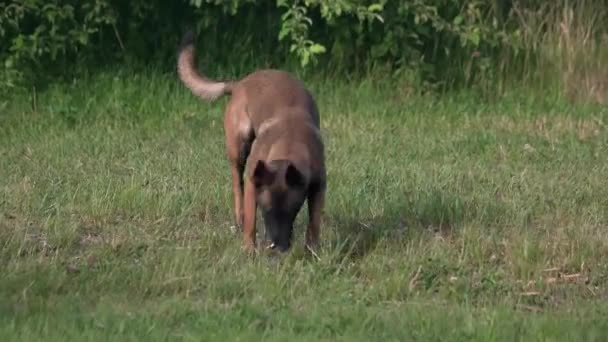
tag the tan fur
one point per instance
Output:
(271, 126)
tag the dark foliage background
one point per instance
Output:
(435, 43)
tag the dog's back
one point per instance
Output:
(275, 94)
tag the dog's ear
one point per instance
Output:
(293, 177)
(262, 175)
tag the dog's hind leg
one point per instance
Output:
(238, 143)
(249, 216)
(237, 191)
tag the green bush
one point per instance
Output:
(35, 34)
(433, 42)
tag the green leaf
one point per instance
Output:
(305, 58)
(284, 32)
(317, 48)
(375, 8)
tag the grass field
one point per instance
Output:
(447, 219)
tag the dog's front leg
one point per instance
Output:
(316, 201)
(249, 218)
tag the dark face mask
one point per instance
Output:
(281, 191)
(279, 225)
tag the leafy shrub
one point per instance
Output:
(36, 33)
(439, 42)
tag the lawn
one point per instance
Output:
(447, 218)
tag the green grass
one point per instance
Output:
(444, 217)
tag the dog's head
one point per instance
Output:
(281, 190)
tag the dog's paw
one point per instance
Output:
(249, 248)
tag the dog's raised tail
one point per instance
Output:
(197, 83)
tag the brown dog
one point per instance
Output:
(272, 127)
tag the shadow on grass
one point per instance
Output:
(431, 213)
